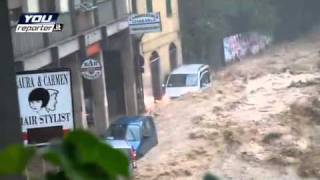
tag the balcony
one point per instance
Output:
(105, 12)
(65, 19)
(122, 8)
(24, 43)
(85, 20)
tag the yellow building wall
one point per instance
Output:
(160, 43)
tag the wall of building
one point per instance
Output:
(160, 42)
(122, 42)
(99, 99)
(67, 49)
(72, 62)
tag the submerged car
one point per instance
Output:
(124, 147)
(138, 131)
(187, 78)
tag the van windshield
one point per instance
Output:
(183, 80)
(127, 132)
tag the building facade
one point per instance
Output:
(161, 52)
(95, 29)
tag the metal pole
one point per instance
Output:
(10, 129)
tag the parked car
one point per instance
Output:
(139, 131)
(123, 146)
(187, 78)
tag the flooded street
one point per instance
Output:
(259, 121)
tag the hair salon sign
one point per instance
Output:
(45, 101)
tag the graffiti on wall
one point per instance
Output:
(241, 45)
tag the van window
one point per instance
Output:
(133, 133)
(117, 132)
(183, 80)
(146, 128)
(205, 79)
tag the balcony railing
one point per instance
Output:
(24, 43)
(65, 19)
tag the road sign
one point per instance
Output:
(145, 23)
(45, 101)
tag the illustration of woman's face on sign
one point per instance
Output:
(36, 105)
(38, 99)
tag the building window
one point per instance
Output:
(47, 6)
(15, 15)
(149, 6)
(33, 6)
(169, 7)
(85, 5)
(134, 6)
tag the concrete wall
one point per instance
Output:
(99, 96)
(129, 76)
(72, 61)
(122, 42)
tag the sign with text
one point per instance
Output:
(145, 23)
(45, 102)
(39, 23)
(91, 69)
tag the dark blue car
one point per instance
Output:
(139, 131)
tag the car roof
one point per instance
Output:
(119, 144)
(129, 120)
(189, 69)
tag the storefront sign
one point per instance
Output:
(45, 101)
(145, 23)
(91, 69)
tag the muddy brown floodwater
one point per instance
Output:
(260, 121)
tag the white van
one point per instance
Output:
(187, 78)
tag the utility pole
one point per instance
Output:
(10, 129)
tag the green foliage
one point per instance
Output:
(14, 159)
(81, 156)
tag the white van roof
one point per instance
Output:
(189, 69)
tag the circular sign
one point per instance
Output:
(91, 69)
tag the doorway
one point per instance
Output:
(155, 73)
(114, 84)
(173, 56)
(139, 60)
